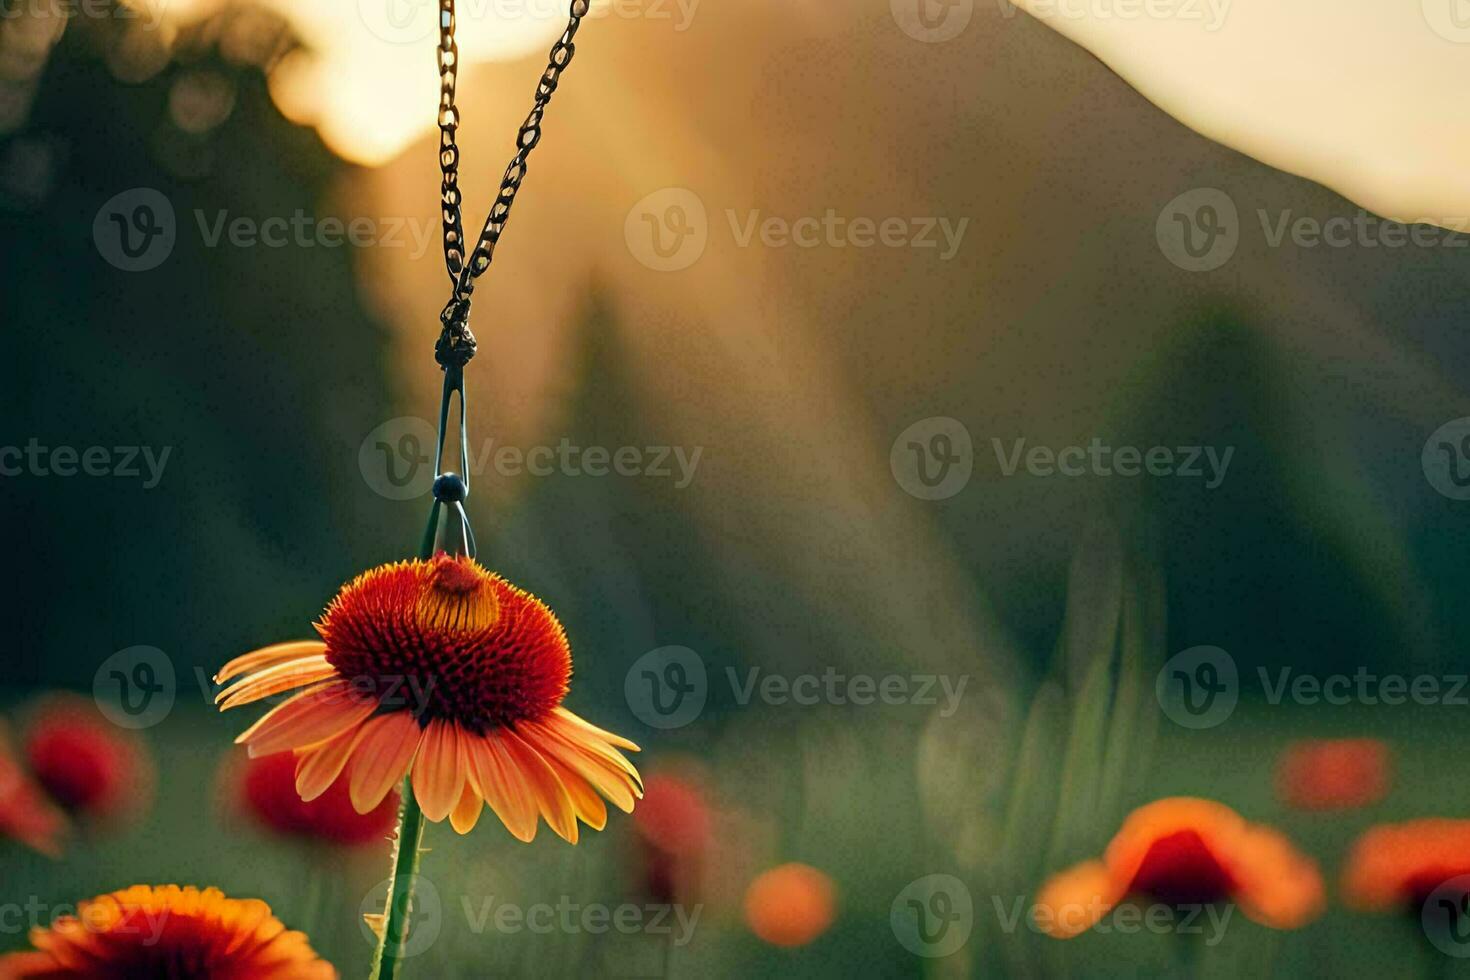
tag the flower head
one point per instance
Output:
(790, 905)
(1333, 774)
(26, 814)
(89, 766)
(264, 789)
(1398, 866)
(168, 931)
(1186, 851)
(444, 671)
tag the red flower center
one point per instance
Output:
(1180, 870)
(444, 638)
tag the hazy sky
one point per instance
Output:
(1365, 96)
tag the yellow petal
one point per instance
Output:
(312, 716)
(492, 773)
(467, 811)
(438, 772)
(382, 758)
(266, 656)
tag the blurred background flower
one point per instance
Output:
(790, 905)
(1333, 774)
(26, 815)
(92, 768)
(1183, 854)
(264, 791)
(1399, 866)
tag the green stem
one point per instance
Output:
(400, 886)
(410, 818)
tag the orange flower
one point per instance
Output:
(183, 933)
(790, 905)
(1333, 774)
(1186, 851)
(265, 790)
(89, 766)
(444, 671)
(26, 814)
(1399, 865)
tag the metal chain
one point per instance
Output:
(462, 275)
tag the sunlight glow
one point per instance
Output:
(367, 78)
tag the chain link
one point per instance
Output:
(462, 274)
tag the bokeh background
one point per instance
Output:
(271, 374)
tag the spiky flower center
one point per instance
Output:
(445, 638)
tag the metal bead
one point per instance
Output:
(450, 489)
